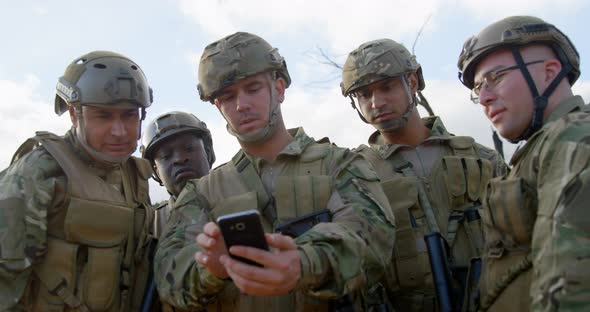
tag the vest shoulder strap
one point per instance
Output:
(253, 182)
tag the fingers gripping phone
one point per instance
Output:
(243, 228)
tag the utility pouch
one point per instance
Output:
(242, 202)
(101, 279)
(301, 195)
(410, 259)
(510, 209)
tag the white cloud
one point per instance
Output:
(341, 23)
(582, 88)
(494, 10)
(22, 112)
(40, 11)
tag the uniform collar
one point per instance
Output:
(569, 105)
(294, 149)
(438, 131)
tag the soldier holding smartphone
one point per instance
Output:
(283, 174)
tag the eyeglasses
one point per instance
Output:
(492, 79)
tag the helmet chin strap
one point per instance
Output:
(102, 158)
(540, 101)
(396, 123)
(260, 135)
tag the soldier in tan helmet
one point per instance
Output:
(536, 220)
(74, 209)
(433, 179)
(346, 232)
(180, 148)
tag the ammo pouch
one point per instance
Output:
(510, 209)
(508, 217)
(410, 257)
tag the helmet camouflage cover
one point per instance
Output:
(516, 31)
(236, 57)
(102, 78)
(171, 124)
(377, 60)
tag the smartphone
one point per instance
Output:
(245, 229)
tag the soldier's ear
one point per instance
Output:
(73, 116)
(413, 80)
(280, 86)
(552, 68)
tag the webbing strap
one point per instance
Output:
(58, 286)
(253, 182)
(455, 220)
(511, 274)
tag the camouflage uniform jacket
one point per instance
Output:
(337, 258)
(161, 216)
(537, 222)
(451, 172)
(34, 201)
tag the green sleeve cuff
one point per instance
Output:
(209, 282)
(312, 270)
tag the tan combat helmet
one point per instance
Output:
(513, 33)
(170, 124)
(377, 60)
(103, 78)
(236, 57)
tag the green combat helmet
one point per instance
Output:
(104, 79)
(236, 57)
(378, 60)
(170, 124)
(514, 33)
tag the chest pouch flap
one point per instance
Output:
(242, 202)
(97, 224)
(510, 208)
(300, 195)
(101, 280)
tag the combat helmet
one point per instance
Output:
(103, 78)
(236, 57)
(516, 31)
(377, 60)
(513, 33)
(170, 124)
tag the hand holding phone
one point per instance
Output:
(243, 228)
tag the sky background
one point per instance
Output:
(167, 37)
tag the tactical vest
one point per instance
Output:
(161, 216)
(436, 203)
(96, 255)
(305, 187)
(509, 215)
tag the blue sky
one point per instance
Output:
(166, 38)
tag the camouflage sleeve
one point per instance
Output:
(350, 252)
(180, 280)
(561, 236)
(27, 191)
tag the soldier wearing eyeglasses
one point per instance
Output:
(536, 221)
